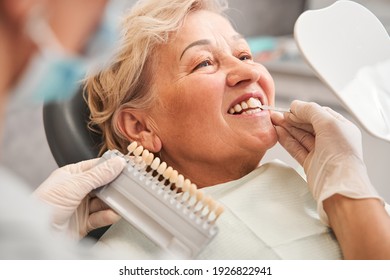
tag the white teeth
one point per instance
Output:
(251, 103)
(252, 111)
(254, 103)
(237, 108)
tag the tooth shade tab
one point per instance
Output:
(138, 151)
(246, 106)
(173, 177)
(186, 185)
(168, 172)
(156, 163)
(180, 181)
(149, 158)
(161, 168)
(133, 145)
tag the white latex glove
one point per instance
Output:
(67, 190)
(329, 148)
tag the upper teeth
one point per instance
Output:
(252, 103)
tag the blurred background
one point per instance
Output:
(268, 25)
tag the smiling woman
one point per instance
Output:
(184, 86)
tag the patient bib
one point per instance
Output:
(269, 214)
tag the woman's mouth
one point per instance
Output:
(247, 107)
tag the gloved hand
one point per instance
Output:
(329, 148)
(67, 190)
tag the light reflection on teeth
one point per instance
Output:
(251, 103)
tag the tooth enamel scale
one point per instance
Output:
(168, 208)
(251, 103)
(189, 193)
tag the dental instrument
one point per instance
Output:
(278, 109)
(161, 203)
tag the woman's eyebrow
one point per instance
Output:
(196, 43)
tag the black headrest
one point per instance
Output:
(67, 132)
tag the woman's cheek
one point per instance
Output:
(267, 83)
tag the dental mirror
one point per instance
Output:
(349, 49)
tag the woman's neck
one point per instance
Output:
(205, 174)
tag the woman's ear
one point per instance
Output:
(134, 125)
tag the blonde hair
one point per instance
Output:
(127, 83)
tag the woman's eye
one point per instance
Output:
(245, 57)
(204, 63)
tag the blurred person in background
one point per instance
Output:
(46, 48)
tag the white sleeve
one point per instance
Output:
(25, 226)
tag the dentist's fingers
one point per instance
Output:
(289, 120)
(95, 205)
(304, 112)
(292, 145)
(302, 134)
(101, 219)
(294, 121)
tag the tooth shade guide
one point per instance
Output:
(172, 208)
(171, 180)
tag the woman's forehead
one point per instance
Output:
(203, 26)
(202, 22)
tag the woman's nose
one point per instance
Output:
(241, 71)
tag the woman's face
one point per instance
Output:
(205, 79)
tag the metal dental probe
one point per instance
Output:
(278, 109)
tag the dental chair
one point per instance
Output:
(67, 133)
(68, 136)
